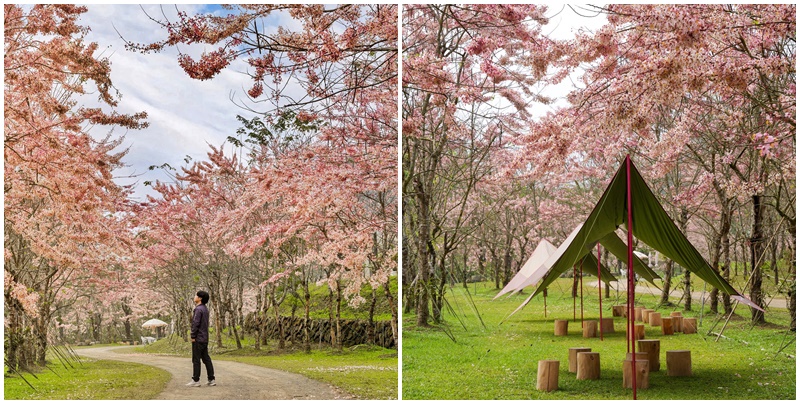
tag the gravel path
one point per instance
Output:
(235, 381)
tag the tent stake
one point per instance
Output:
(599, 291)
(631, 285)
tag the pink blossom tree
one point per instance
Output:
(686, 83)
(62, 210)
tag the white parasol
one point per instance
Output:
(154, 323)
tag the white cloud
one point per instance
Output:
(185, 115)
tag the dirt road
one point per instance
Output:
(773, 303)
(235, 381)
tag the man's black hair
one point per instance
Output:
(203, 295)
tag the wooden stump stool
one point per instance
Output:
(588, 366)
(573, 357)
(638, 332)
(679, 363)
(640, 356)
(655, 319)
(637, 312)
(547, 376)
(619, 311)
(666, 326)
(677, 322)
(607, 325)
(689, 325)
(590, 329)
(561, 328)
(642, 374)
(646, 315)
(653, 349)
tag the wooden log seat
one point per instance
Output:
(547, 375)
(573, 358)
(653, 349)
(690, 325)
(607, 325)
(561, 328)
(638, 331)
(642, 374)
(590, 329)
(654, 319)
(679, 363)
(666, 326)
(588, 366)
(646, 315)
(677, 322)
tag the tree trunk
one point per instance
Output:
(393, 309)
(726, 267)
(40, 329)
(756, 258)
(687, 291)
(278, 322)
(306, 316)
(371, 323)
(338, 317)
(793, 277)
(236, 335)
(331, 321)
(127, 311)
(466, 271)
(423, 241)
(507, 254)
(667, 283)
(257, 317)
(774, 256)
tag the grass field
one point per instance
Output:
(89, 380)
(500, 361)
(366, 372)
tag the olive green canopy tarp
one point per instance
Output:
(651, 225)
(616, 246)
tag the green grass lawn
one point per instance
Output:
(89, 380)
(500, 362)
(366, 372)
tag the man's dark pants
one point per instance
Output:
(200, 352)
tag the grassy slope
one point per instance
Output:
(365, 372)
(500, 362)
(89, 380)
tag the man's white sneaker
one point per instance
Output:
(193, 384)
(211, 383)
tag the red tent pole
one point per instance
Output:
(599, 291)
(631, 284)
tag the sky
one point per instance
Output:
(187, 115)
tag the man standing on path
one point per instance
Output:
(200, 341)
